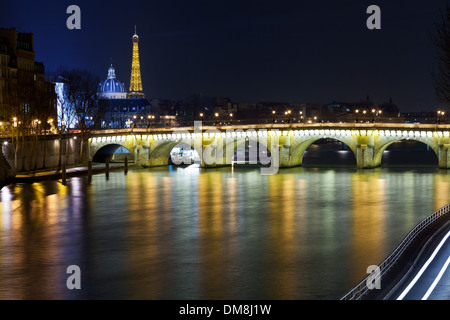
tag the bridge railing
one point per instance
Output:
(362, 288)
(279, 126)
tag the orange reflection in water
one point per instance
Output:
(214, 245)
(368, 222)
(147, 200)
(34, 268)
(441, 190)
(285, 234)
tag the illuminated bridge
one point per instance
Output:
(286, 143)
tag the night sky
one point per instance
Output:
(250, 51)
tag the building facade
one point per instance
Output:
(25, 95)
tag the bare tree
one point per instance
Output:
(441, 39)
(45, 114)
(81, 109)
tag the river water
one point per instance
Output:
(189, 233)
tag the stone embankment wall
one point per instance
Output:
(39, 154)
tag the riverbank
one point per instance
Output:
(72, 171)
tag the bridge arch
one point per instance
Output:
(159, 156)
(383, 146)
(107, 151)
(299, 147)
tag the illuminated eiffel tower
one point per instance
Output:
(136, 90)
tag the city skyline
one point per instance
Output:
(298, 53)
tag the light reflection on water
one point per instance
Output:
(190, 233)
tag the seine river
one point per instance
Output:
(189, 233)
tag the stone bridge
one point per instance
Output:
(216, 145)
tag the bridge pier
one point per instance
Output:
(284, 151)
(365, 150)
(365, 157)
(444, 156)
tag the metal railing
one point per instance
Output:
(362, 288)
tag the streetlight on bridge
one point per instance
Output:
(217, 117)
(441, 114)
(288, 114)
(150, 118)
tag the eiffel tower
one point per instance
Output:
(136, 90)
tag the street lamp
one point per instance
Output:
(288, 115)
(440, 114)
(149, 117)
(217, 116)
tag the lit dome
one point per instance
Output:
(111, 88)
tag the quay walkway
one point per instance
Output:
(418, 269)
(55, 174)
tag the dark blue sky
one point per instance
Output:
(294, 51)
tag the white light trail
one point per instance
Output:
(438, 278)
(424, 267)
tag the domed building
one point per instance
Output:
(111, 88)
